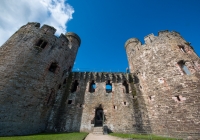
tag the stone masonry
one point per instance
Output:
(168, 70)
(38, 91)
(33, 63)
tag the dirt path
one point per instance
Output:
(101, 137)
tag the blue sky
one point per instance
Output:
(105, 25)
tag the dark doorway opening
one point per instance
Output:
(99, 117)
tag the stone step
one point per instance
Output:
(98, 133)
(98, 130)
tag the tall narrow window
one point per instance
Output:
(53, 67)
(126, 87)
(41, 43)
(74, 86)
(108, 87)
(184, 67)
(92, 87)
(64, 82)
(182, 48)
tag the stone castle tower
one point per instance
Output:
(168, 70)
(33, 63)
(38, 91)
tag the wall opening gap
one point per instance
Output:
(64, 82)
(74, 86)
(108, 87)
(183, 67)
(92, 87)
(69, 102)
(53, 67)
(125, 84)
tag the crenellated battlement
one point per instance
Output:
(103, 76)
(46, 29)
(149, 38)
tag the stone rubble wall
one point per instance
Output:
(129, 118)
(27, 88)
(171, 96)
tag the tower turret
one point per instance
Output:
(132, 47)
(33, 63)
(167, 69)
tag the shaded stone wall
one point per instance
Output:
(124, 110)
(171, 93)
(33, 65)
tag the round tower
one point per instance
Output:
(74, 43)
(132, 47)
(168, 70)
(33, 64)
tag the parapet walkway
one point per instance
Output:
(92, 136)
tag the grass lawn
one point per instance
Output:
(48, 136)
(145, 137)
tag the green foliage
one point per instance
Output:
(142, 136)
(49, 136)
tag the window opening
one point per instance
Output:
(69, 102)
(41, 43)
(184, 67)
(108, 87)
(64, 82)
(37, 25)
(53, 67)
(92, 87)
(178, 98)
(182, 48)
(126, 87)
(74, 86)
(124, 103)
(115, 107)
(80, 105)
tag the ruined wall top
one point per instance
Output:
(48, 30)
(103, 76)
(75, 36)
(150, 38)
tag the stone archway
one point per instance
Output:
(99, 117)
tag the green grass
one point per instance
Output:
(145, 137)
(48, 136)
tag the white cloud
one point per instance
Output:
(15, 13)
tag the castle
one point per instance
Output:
(38, 91)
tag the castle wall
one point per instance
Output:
(124, 110)
(33, 63)
(171, 92)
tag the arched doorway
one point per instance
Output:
(99, 117)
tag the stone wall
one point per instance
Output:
(168, 70)
(33, 65)
(123, 107)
